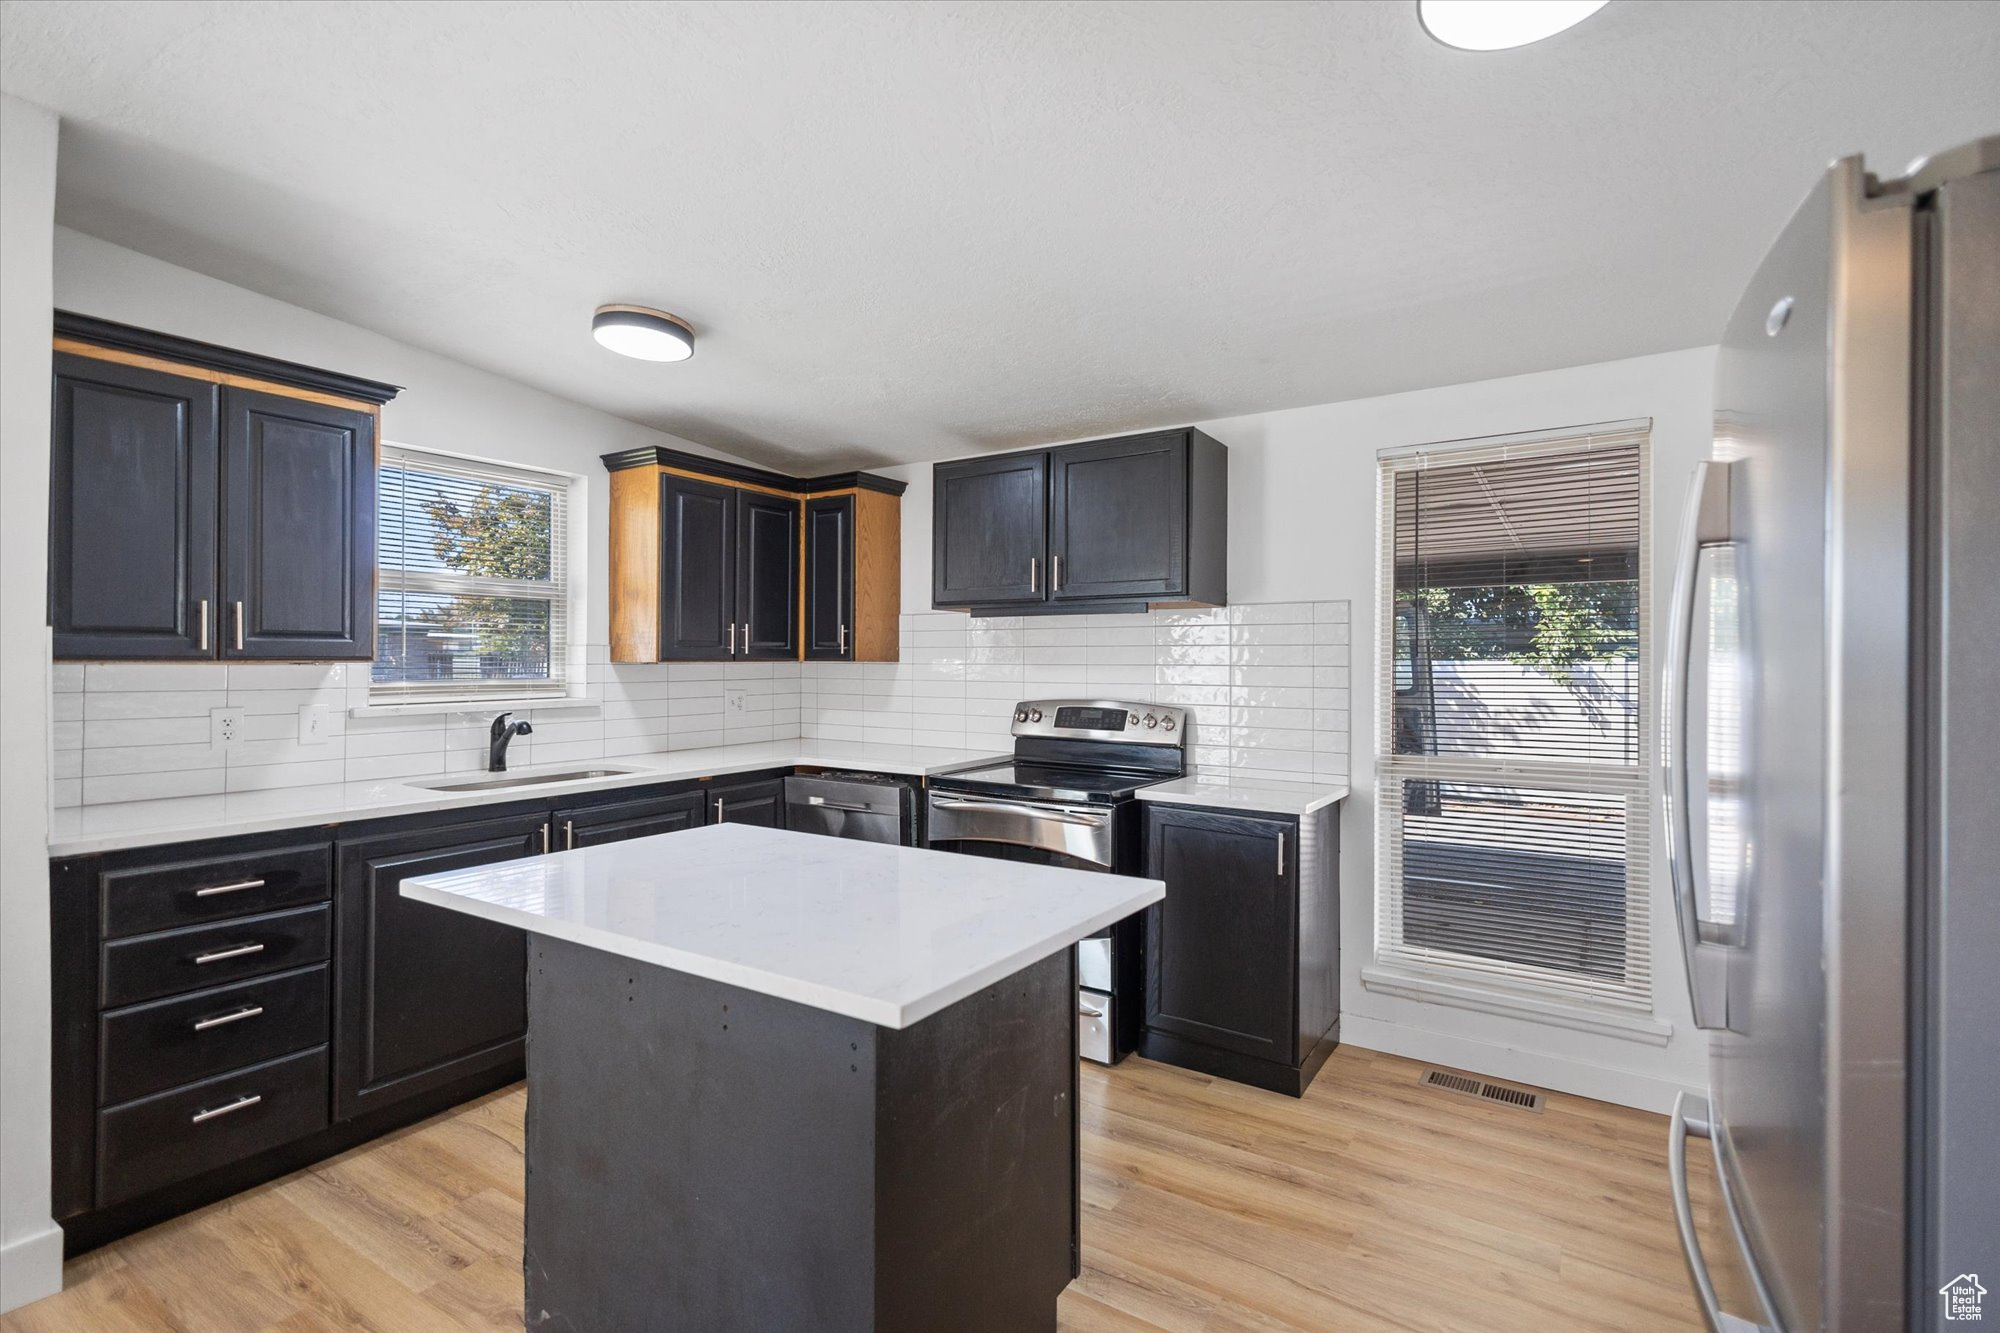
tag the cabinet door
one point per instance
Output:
(132, 516)
(767, 576)
(298, 530)
(426, 996)
(990, 530)
(759, 803)
(592, 826)
(830, 578)
(1222, 950)
(698, 569)
(1118, 522)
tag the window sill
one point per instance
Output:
(481, 707)
(1643, 1028)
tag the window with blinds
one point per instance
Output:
(1512, 812)
(472, 589)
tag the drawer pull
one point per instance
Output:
(240, 951)
(224, 1020)
(240, 1104)
(215, 889)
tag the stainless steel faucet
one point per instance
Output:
(502, 732)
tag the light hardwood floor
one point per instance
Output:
(1370, 1204)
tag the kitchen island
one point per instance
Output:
(785, 1081)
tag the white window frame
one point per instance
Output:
(557, 591)
(1516, 989)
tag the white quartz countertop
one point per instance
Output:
(80, 830)
(1263, 795)
(885, 934)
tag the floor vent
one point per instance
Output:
(1491, 1092)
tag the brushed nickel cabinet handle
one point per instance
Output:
(718, 809)
(1034, 573)
(224, 1020)
(545, 839)
(732, 638)
(239, 886)
(1055, 574)
(569, 835)
(239, 627)
(201, 624)
(240, 951)
(240, 1104)
(843, 638)
(1281, 856)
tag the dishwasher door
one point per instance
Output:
(870, 809)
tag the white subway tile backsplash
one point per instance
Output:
(1265, 685)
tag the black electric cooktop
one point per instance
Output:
(1046, 782)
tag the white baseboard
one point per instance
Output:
(1619, 1086)
(31, 1268)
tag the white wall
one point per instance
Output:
(30, 1244)
(1302, 523)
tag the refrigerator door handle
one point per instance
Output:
(1691, 1121)
(1705, 523)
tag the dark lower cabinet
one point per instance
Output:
(298, 531)
(428, 996)
(592, 826)
(1242, 958)
(761, 803)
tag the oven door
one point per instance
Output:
(1073, 837)
(1077, 837)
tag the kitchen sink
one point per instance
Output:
(526, 780)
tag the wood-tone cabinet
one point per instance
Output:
(1108, 525)
(1242, 958)
(207, 504)
(715, 562)
(427, 997)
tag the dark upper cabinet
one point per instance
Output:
(621, 821)
(1104, 525)
(133, 489)
(207, 503)
(989, 535)
(698, 568)
(1222, 948)
(767, 575)
(298, 532)
(426, 996)
(829, 592)
(1117, 519)
(761, 803)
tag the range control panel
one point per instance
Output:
(1101, 720)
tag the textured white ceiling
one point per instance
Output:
(907, 231)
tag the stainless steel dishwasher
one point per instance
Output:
(851, 805)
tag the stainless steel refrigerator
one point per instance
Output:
(1833, 761)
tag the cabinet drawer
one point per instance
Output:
(176, 1135)
(147, 1047)
(185, 893)
(172, 961)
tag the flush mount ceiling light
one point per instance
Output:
(641, 331)
(1495, 25)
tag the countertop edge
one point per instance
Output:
(1254, 797)
(867, 1009)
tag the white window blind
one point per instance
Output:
(1512, 816)
(472, 592)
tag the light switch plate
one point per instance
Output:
(735, 702)
(312, 724)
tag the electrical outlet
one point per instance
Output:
(736, 702)
(312, 724)
(225, 727)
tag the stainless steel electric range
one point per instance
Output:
(1069, 798)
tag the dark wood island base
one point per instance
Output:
(706, 1158)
